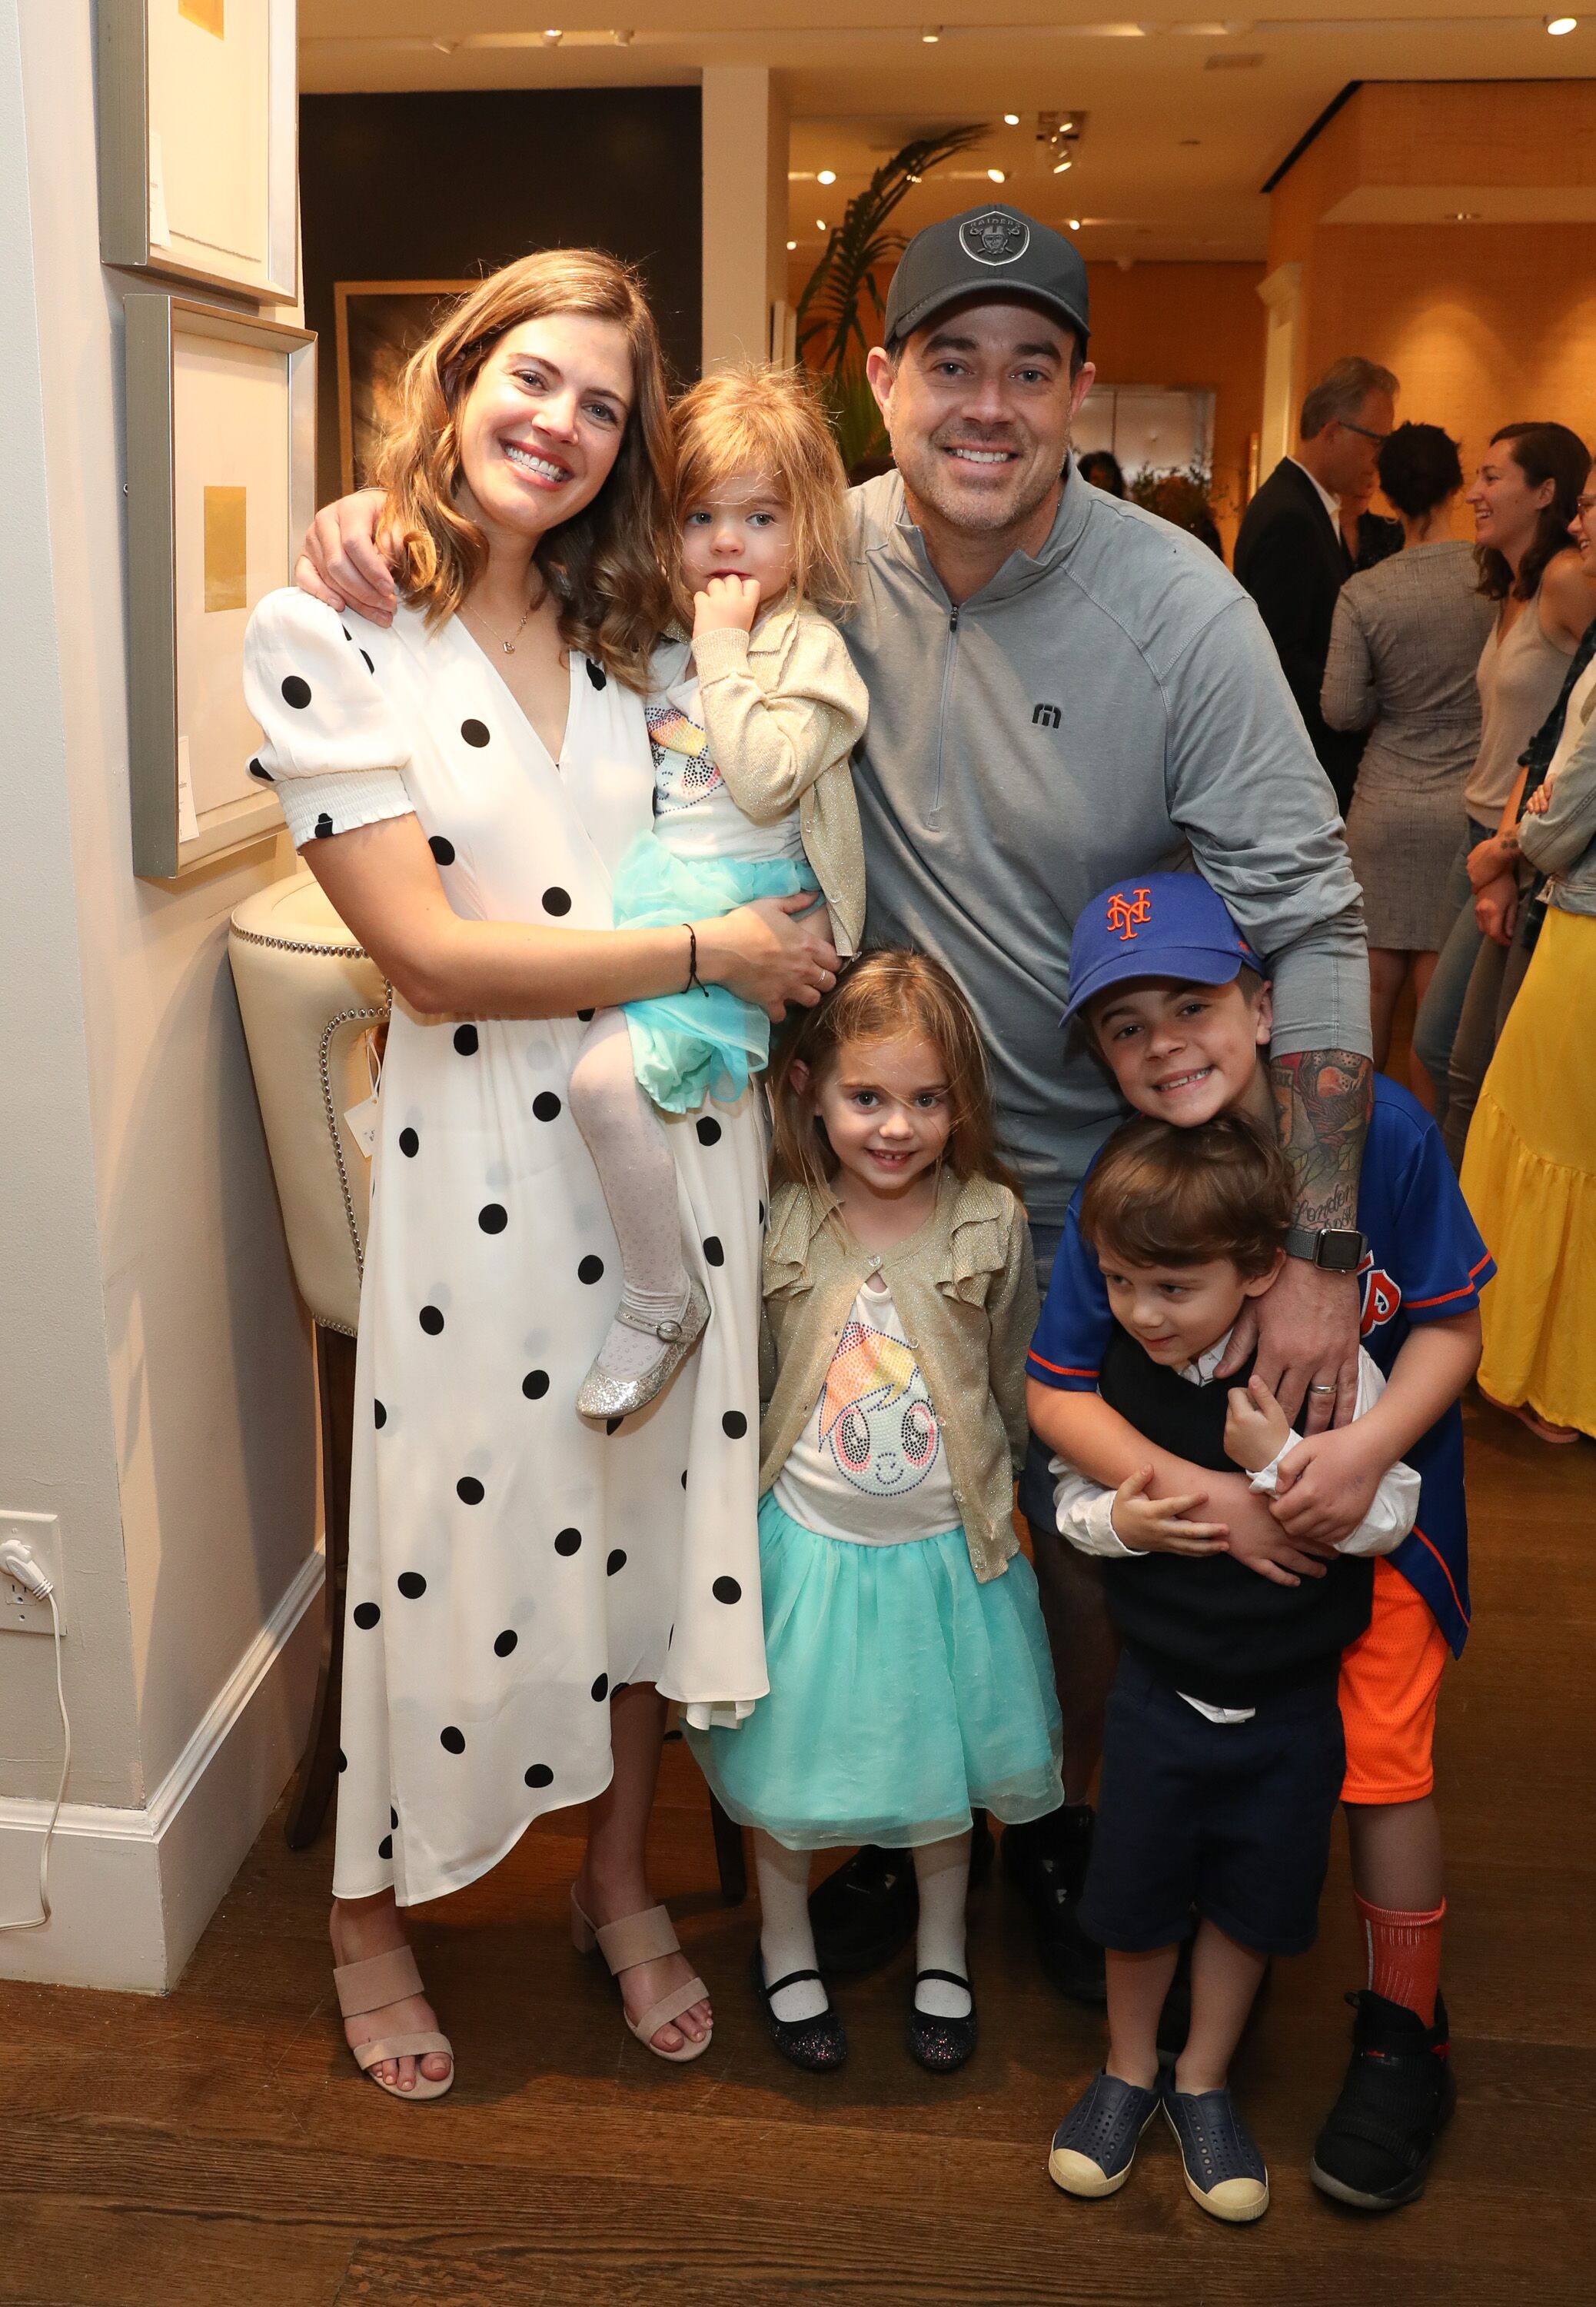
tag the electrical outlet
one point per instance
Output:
(22, 1612)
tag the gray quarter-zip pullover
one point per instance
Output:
(1111, 705)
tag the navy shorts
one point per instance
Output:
(1229, 1820)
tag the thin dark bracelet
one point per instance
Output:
(692, 959)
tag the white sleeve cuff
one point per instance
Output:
(317, 807)
(1085, 1514)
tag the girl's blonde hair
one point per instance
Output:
(606, 565)
(769, 421)
(887, 992)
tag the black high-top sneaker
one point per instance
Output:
(1046, 1861)
(1374, 2150)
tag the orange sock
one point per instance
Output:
(1404, 1955)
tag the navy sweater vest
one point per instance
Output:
(1205, 1623)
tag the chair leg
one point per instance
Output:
(731, 1856)
(318, 1770)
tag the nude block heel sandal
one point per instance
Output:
(371, 1986)
(637, 1938)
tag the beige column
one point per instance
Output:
(745, 213)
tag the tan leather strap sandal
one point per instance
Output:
(372, 1985)
(637, 1938)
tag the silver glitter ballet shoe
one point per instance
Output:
(603, 1396)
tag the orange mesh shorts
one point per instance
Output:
(1391, 1678)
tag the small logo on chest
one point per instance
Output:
(1045, 716)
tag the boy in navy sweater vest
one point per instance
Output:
(1175, 1004)
(1223, 1752)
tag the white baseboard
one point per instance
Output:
(131, 1890)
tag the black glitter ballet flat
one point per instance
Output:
(941, 2045)
(818, 2044)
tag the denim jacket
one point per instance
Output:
(965, 1291)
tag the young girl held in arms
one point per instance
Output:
(752, 723)
(908, 1667)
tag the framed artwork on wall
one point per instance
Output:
(199, 142)
(378, 325)
(221, 429)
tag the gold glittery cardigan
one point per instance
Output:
(965, 1290)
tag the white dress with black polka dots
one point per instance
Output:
(510, 1565)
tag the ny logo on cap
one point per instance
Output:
(994, 236)
(1127, 915)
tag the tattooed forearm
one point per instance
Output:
(1323, 1098)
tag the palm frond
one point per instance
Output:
(831, 309)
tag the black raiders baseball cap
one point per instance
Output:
(997, 250)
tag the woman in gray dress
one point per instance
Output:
(1403, 650)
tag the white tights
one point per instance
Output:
(787, 1943)
(630, 1151)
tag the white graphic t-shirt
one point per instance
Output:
(870, 1465)
(695, 816)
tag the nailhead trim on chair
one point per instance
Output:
(299, 945)
(344, 1017)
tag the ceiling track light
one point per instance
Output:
(998, 176)
(1011, 120)
(826, 177)
(931, 35)
(1557, 25)
(553, 39)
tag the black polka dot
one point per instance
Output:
(601, 1688)
(684, 1477)
(475, 733)
(432, 1320)
(587, 1016)
(557, 901)
(545, 1106)
(452, 1741)
(708, 1131)
(324, 826)
(534, 1385)
(369, 666)
(762, 1212)
(493, 1217)
(567, 1541)
(591, 1270)
(257, 771)
(393, 1816)
(385, 1848)
(596, 674)
(540, 1775)
(348, 636)
(443, 850)
(412, 1585)
(618, 1561)
(505, 1643)
(469, 1490)
(734, 1425)
(410, 1145)
(379, 1414)
(296, 692)
(727, 1590)
(366, 1615)
(466, 1039)
(614, 1425)
(342, 1760)
(713, 1253)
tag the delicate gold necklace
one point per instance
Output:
(507, 646)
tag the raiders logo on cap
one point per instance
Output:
(994, 236)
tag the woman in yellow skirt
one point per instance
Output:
(1529, 1173)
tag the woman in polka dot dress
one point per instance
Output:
(524, 1589)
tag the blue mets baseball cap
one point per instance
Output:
(1154, 925)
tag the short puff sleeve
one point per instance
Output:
(333, 747)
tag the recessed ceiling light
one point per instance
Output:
(792, 244)
(931, 33)
(826, 177)
(1059, 166)
(1462, 216)
(554, 38)
(1073, 223)
(998, 175)
(1557, 25)
(1011, 120)
(821, 224)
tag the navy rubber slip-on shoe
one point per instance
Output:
(1375, 2150)
(1095, 2145)
(1225, 2171)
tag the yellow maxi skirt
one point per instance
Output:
(1529, 1175)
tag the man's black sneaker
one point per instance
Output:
(1046, 1861)
(1374, 2150)
(865, 1913)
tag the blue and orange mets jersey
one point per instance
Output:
(1425, 1260)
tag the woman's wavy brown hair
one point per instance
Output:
(887, 991)
(772, 422)
(1542, 453)
(606, 565)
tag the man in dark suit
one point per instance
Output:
(1291, 554)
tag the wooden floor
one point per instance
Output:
(218, 2146)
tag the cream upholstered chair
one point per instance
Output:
(308, 998)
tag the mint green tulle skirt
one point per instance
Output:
(904, 1694)
(687, 1047)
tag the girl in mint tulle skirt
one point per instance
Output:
(909, 1674)
(752, 722)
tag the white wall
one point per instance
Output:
(158, 1373)
(745, 211)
